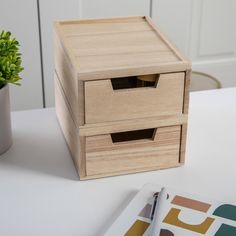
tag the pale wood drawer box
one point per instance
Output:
(122, 92)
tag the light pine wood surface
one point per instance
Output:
(67, 75)
(95, 156)
(102, 103)
(116, 47)
(185, 112)
(104, 157)
(132, 124)
(75, 143)
(93, 60)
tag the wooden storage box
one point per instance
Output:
(121, 93)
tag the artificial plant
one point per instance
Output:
(10, 60)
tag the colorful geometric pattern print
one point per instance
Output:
(218, 221)
(182, 214)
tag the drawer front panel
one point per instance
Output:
(104, 103)
(133, 151)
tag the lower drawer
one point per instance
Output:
(133, 151)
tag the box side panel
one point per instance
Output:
(75, 143)
(68, 79)
(185, 111)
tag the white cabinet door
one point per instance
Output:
(110, 8)
(68, 9)
(205, 31)
(174, 18)
(21, 18)
(51, 11)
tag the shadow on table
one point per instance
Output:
(39, 153)
(116, 214)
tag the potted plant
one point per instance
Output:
(10, 67)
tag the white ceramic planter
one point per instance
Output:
(5, 120)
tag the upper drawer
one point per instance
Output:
(129, 98)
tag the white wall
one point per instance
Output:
(202, 29)
(78, 9)
(51, 10)
(20, 17)
(205, 31)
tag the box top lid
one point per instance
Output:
(117, 47)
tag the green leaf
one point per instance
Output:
(10, 59)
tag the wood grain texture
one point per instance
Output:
(92, 56)
(118, 47)
(127, 172)
(73, 88)
(188, 74)
(103, 104)
(133, 124)
(185, 111)
(162, 152)
(165, 145)
(66, 74)
(103, 156)
(76, 143)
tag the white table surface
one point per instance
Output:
(40, 194)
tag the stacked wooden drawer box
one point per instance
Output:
(122, 94)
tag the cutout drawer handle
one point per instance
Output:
(133, 135)
(132, 82)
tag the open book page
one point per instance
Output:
(182, 215)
